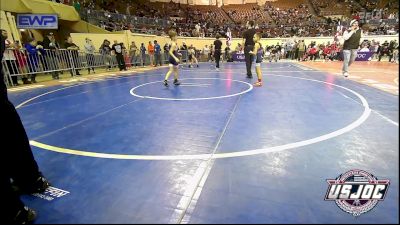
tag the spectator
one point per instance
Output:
(34, 50)
(22, 63)
(238, 48)
(89, 51)
(133, 52)
(51, 56)
(302, 50)
(157, 54)
(11, 61)
(364, 49)
(77, 6)
(105, 50)
(118, 49)
(166, 50)
(206, 52)
(73, 51)
(150, 49)
(128, 9)
(352, 38)
(143, 54)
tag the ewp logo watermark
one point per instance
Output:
(356, 191)
(37, 21)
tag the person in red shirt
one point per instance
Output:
(22, 62)
(327, 52)
(313, 53)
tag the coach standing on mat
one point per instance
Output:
(351, 38)
(17, 161)
(248, 44)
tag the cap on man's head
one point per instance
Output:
(50, 34)
(353, 21)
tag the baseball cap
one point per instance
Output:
(353, 21)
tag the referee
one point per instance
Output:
(17, 161)
(248, 44)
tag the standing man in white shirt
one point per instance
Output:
(206, 52)
(352, 37)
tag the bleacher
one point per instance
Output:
(281, 18)
(209, 13)
(286, 4)
(245, 12)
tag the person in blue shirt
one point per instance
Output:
(157, 54)
(33, 50)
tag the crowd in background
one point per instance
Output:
(206, 21)
(34, 56)
(48, 56)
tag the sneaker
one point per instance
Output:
(166, 83)
(25, 216)
(257, 84)
(176, 82)
(26, 81)
(39, 186)
(345, 74)
(249, 76)
(216, 69)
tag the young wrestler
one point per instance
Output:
(173, 59)
(258, 51)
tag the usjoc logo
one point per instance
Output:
(356, 191)
(37, 21)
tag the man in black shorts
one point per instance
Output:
(248, 44)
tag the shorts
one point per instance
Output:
(172, 62)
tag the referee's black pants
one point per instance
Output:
(17, 161)
(248, 58)
(217, 55)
